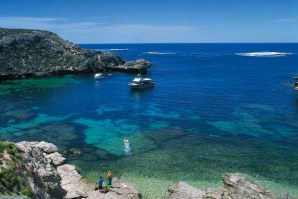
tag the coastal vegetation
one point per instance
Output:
(10, 182)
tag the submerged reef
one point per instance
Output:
(37, 170)
(39, 53)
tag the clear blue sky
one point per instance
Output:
(157, 21)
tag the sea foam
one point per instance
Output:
(264, 54)
(110, 49)
(159, 53)
(117, 49)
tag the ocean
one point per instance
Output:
(215, 108)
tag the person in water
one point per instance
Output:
(109, 179)
(127, 148)
(100, 181)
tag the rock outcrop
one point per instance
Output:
(236, 186)
(47, 177)
(136, 65)
(38, 53)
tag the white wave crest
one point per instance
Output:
(98, 49)
(159, 53)
(264, 54)
(116, 49)
(108, 49)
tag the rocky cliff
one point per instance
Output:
(43, 171)
(38, 53)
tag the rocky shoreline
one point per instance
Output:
(46, 174)
(25, 53)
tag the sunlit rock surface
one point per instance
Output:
(236, 186)
(44, 172)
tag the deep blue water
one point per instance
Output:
(215, 108)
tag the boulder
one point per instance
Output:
(236, 186)
(25, 146)
(47, 147)
(57, 158)
(68, 174)
(184, 190)
(124, 189)
(239, 186)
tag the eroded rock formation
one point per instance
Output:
(47, 176)
(39, 53)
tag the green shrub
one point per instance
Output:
(11, 183)
(9, 147)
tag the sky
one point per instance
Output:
(157, 21)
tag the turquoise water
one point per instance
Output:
(216, 108)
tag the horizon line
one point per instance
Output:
(194, 43)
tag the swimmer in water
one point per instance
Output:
(127, 148)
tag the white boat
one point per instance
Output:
(98, 76)
(140, 83)
(296, 83)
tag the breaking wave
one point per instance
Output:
(264, 54)
(116, 49)
(109, 49)
(159, 53)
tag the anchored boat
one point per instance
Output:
(296, 83)
(98, 76)
(140, 83)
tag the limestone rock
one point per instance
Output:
(239, 186)
(124, 189)
(68, 174)
(184, 190)
(47, 147)
(48, 178)
(139, 65)
(236, 186)
(25, 146)
(38, 171)
(57, 158)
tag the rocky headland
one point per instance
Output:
(37, 170)
(26, 53)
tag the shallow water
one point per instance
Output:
(212, 111)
